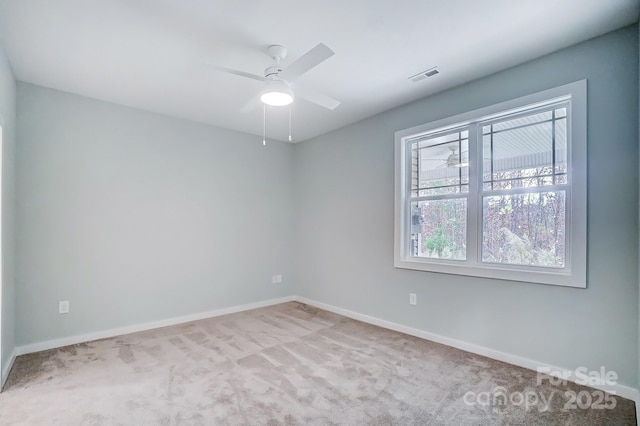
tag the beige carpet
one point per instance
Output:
(289, 364)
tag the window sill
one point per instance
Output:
(529, 275)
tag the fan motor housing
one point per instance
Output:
(271, 71)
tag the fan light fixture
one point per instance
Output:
(277, 93)
(277, 90)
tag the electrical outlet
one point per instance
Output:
(63, 307)
(276, 279)
(413, 299)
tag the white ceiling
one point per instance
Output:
(151, 54)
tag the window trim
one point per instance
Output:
(575, 272)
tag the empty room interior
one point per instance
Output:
(319, 212)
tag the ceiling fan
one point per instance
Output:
(456, 160)
(453, 159)
(278, 89)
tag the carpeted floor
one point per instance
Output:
(289, 364)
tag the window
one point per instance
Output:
(498, 192)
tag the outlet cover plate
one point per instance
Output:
(63, 307)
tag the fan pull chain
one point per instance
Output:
(264, 125)
(289, 122)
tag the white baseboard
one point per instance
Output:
(7, 368)
(104, 334)
(621, 390)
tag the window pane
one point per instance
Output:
(439, 228)
(561, 112)
(440, 164)
(561, 142)
(525, 152)
(540, 117)
(524, 229)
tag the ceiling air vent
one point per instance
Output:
(424, 74)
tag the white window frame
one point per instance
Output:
(574, 274)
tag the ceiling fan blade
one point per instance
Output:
(251, 104)
(304, 63)
(317, 98)
(238, 72)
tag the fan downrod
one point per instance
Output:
(278, 53)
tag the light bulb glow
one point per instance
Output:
(276, 98)
(277, 93)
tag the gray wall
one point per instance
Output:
(135, 217)
(7, 120)
(345, 195)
